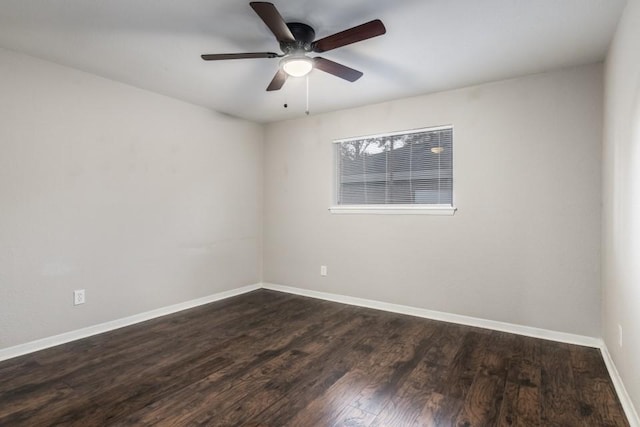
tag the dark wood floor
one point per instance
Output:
(273, 359)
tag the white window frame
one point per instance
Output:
(395, 209)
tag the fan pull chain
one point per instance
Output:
(307, 110)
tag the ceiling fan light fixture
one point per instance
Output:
(297, 66)
(296, 40)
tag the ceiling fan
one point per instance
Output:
(297, 40)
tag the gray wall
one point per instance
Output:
(142, 200)
(524, 246)
(621, 213)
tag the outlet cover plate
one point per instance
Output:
(78, 297)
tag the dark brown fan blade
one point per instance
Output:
(352, 35)
(270, 15)
(278, 81)
(251, 55)
(336, 69)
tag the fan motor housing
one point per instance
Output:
(304, 35)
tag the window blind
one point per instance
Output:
(400, 168)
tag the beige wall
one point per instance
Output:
(621, 214)
(141, 200)
(524, 246)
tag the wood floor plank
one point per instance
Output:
(408, 405)
(400, 360)
(274, 380)
(521, 398)
(226, 386)
(485, 394)
(271, 359)
(597, 400)
(107, 407)
(308, 392)
(18, 410)
(351, 416)
(428, 416)
(371, 352)
(559, 403)
(456, 384)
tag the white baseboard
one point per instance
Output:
(445, 317)
(625, 399)
(66, 337)
(55, 340)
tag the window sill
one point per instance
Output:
(394, 210)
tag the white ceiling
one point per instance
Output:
(430, 45)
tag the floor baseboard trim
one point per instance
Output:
(442, 316)
(621, 391)
(41, 344)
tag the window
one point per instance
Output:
(400, 172)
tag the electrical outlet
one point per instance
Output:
(620, 335)
(78, 297)
(323, 270)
